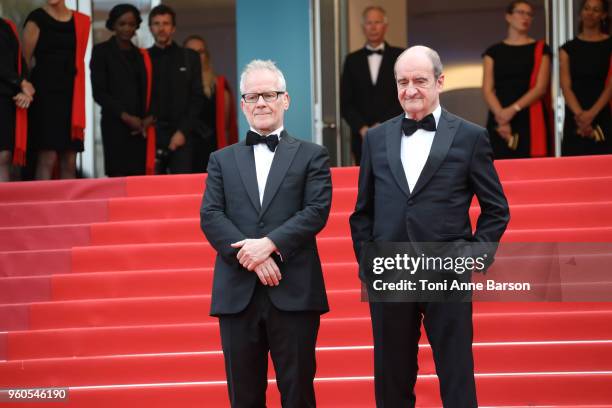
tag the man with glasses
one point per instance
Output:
(266, 199)
(177, 96)
(367, 88)
(419, 173)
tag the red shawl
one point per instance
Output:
(82, 25)
(151, 135)
(536, 110)
(21, 115)
(224, 139)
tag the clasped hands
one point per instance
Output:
(254, 255)
(137, 125)
(25, 97)
(584, 124)
(503, 118)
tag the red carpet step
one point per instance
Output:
(538, 389)
(533, 326)
(185, 367)
(509, 170)
(584, 190)
(95, 285)
(104, 287)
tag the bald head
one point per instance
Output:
(420, 51)
(419, 79)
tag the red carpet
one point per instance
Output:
(104, 288)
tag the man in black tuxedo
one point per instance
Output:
(367, 88)
(266, 199)
(419, 173)
(177, 96)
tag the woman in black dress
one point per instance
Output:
(218, 127)
(118, 79)
(584, 70)
(515, 81)
(53, 36)
(15, 93)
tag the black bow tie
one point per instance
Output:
(370, 52)
(409, 126)
(253, 138)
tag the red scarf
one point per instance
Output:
(224, 139)
(21, 114)
(151, 135)
(536, 110)
(82, 25)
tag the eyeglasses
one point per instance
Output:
(523, 13)
(267, 96)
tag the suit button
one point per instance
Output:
(261, 224)
(410, 203)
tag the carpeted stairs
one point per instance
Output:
(105, 289)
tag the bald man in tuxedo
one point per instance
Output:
(419, 173)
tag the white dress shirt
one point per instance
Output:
(374, 61)
(415, 150)
(263, 162)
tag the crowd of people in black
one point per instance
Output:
(516, 85)
(164, 109)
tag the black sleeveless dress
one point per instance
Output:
(512, 69)
(50, 114)
(589, 63)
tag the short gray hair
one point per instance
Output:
(371, 8)
(263, 65)
(433, 56)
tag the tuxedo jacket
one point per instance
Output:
(459, 166)
(296, 205)
(362, 103)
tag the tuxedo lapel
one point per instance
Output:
(442, 141)
(386, 65)
(364, 68)
(245, 160)
(393, 137)
(286, 150)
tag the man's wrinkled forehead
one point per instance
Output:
(407, 68)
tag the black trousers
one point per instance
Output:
(290, 337)
(179, 161)
(397, 329)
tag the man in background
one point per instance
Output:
(367, 88)
(177, 96)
